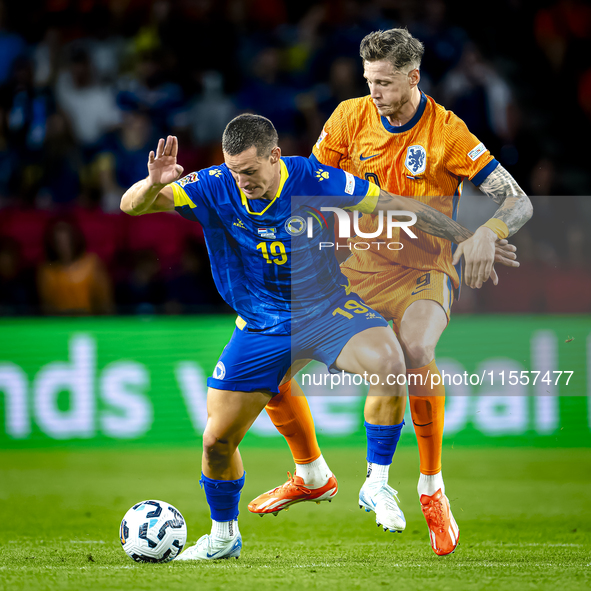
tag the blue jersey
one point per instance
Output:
(263, 263)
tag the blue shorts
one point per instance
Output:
(254, 361)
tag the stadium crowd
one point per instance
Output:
(88, 86)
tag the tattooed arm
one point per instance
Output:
(429, 219)
(480, 255)
(515, 207)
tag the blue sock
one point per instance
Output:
(222, 497)
(381, 442)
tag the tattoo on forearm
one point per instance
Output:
(430, 220)
(515, 207)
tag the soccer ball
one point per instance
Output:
(153, 531)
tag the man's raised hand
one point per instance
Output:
(162, 166)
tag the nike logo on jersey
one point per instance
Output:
(362, 157)
(420, 290)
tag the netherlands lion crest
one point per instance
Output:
(416, 159)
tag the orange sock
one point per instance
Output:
(427, 408)
(291, 414)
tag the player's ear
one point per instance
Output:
(275, 154)
(414, 77)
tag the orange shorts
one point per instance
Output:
(391, 292)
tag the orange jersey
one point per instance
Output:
(427, 159)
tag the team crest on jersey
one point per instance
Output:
(416, 159)
(323, 134)
(190, 178)
(267, 232)
(321, 175)
(295, 225)
(219, 373)
(215, 172)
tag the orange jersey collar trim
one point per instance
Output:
(414, 120)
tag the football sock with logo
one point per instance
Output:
(224, 530)
(291, 415)
(381, 445)
(222, 497)
(377, 472)
(427, 408)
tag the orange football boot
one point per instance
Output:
(293, 491)
(444, 532)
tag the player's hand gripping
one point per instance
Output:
(162, 166)
(480, 252)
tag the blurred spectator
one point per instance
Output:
(267, 93)
(17, 284)
(150, 91)
(72, 281)
(12, 46)
(444, 43)
(142, 290)
(27, 109)
(209, 114)
(106, 48)
(476, 92)
(46, 58)
(124, 156)
(89, 105)
(191, 288)
(62, 163)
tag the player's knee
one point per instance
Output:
(388, 361)
(217, 449)
(418, 354)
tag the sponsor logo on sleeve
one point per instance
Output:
(190, 178)
(350, 185)
(477, 152)
(323, 134)
(322, 175)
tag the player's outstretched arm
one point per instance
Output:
(429, 219)
(515, 207)
(480, 255)
(151, 194)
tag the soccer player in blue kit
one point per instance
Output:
(286, 315)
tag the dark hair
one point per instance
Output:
(246, 131)
(396, 46)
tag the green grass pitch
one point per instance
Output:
(524, 514)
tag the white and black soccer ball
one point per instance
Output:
(153, 531)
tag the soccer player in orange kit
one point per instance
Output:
(402, 140)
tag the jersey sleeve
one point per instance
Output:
(465, 155)
(333, 143)
(189, 198)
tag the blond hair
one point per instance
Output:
(396, 46)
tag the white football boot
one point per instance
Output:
(210, 548)
(382, 499)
